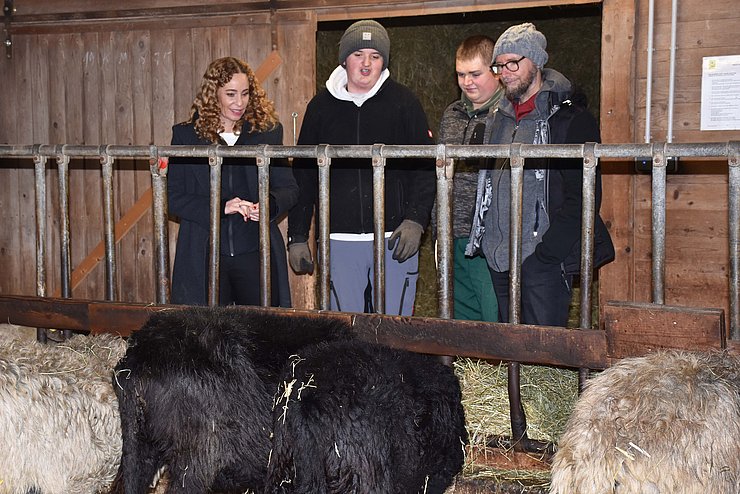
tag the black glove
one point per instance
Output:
(408, 234)
(300, 259)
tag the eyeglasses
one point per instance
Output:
(512, 65)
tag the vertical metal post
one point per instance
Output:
(263, 174)
(445, 169)
(158, 167)
(378, 162)
(587, 242)
(322, 237)
(658, 226)
(64, 236)
(516, 409)
(215, 163)
(587, 231)
(110, 240)
(515, 233)
(733, 195)
(39, 162)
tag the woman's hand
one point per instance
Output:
(248, 210)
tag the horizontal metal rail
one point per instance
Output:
(444, 156)
(600, 151)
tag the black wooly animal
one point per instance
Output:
(353, 417)
(195, 392)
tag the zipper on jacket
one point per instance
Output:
(359, 176)
(229, 231)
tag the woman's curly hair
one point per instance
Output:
(206, 113)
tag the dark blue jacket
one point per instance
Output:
(188, 185)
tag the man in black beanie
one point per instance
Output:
(363, 105)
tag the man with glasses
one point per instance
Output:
(539, 107)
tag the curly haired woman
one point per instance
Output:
(229, 109)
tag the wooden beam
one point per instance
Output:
(639, 328)
(616, 279)
(490, 341)
(631, 330)
(40, 13)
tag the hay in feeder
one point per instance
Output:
(548, 396)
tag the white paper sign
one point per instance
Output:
(720, 93)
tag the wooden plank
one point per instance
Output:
(15, 75)
(74, 82)
(82, 10)
(141, 82)
(493, 341)
(635, 329)
(349, 9)
(201, 53)
(687, 285)
(163, 70)
(38, 127)
(59, 50)
(687, 192)
(220, 46)
(184, 75)
(39, 7)
(716, 9)
(89, 225)
(163, 105)
(617, 69)
(296, 85)
(688, 64)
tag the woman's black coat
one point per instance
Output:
(188, 196)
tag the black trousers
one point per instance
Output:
(240, 280)
(546, 293)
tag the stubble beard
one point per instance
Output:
(515, 92)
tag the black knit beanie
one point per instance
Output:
(365, 34)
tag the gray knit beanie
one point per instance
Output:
(525, 40)
(365, 34)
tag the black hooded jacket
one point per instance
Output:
(392, 116)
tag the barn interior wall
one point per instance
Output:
(696, 263)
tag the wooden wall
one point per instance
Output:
(696, 197)
(100, 72)
(122, 83)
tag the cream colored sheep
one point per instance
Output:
(60, 430)
(665, 423)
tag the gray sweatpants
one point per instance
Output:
(351, 282)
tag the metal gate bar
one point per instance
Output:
(323, 154)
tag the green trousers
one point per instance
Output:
(474, 298)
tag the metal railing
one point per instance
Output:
(444, 155)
